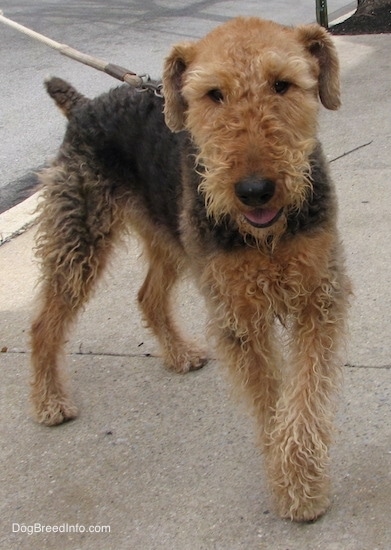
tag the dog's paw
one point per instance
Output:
(54, 412)
(186, 360)
(307, 511)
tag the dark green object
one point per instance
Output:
(321, 13)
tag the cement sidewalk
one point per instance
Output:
(169, 462)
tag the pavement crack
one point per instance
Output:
(351, 151)
(88, 353)
(6, 350)
(381, 367)
(110, 354)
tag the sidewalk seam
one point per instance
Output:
(155, 356)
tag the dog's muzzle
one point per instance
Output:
(257, 192)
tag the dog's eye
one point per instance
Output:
(216, 95)
(281, 86)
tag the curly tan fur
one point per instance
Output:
(233, 186)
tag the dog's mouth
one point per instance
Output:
(263, 217)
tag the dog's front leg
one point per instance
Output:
(298, 458)
(242, 323)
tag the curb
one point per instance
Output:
(18, 219)
(342, 14)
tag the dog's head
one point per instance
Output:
(248, 94)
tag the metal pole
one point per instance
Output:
(321, 13)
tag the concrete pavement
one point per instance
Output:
(169, 462)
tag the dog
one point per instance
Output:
(224, 176)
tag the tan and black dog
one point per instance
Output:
(223, 176)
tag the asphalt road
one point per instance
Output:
(136, 34)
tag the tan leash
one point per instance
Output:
(142, 82)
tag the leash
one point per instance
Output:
(141, 82)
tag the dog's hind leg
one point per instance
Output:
(76, 233)
(165, 265)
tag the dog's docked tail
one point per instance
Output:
(65, 95)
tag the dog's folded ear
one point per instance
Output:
(319, 44)
(173, 75)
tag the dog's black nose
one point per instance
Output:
(253, 191)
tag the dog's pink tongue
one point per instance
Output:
(261, 216)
